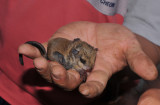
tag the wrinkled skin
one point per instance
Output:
(117, 47)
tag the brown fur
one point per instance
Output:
(78, 55)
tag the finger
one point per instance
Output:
(69, 79)
(97, 80)
(94, 87)
(140, 63)
(30, 51)
(150, 97)
(42, 66)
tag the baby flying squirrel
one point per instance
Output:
(77, 54)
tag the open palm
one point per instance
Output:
(117, 47)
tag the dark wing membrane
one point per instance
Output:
(37, 45)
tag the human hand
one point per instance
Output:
(150, 97)
(117, 48)
(146, 93)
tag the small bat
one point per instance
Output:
(76, 55)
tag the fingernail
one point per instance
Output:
(85, 92)
(38, 69)
(56, 75)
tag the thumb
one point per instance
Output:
(30, 51)
(140, 63)
(97, 79)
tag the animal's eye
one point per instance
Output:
(82, 60)
(74, 51)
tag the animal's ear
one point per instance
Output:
(75, 51)
(76, 39)
(96, 49)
